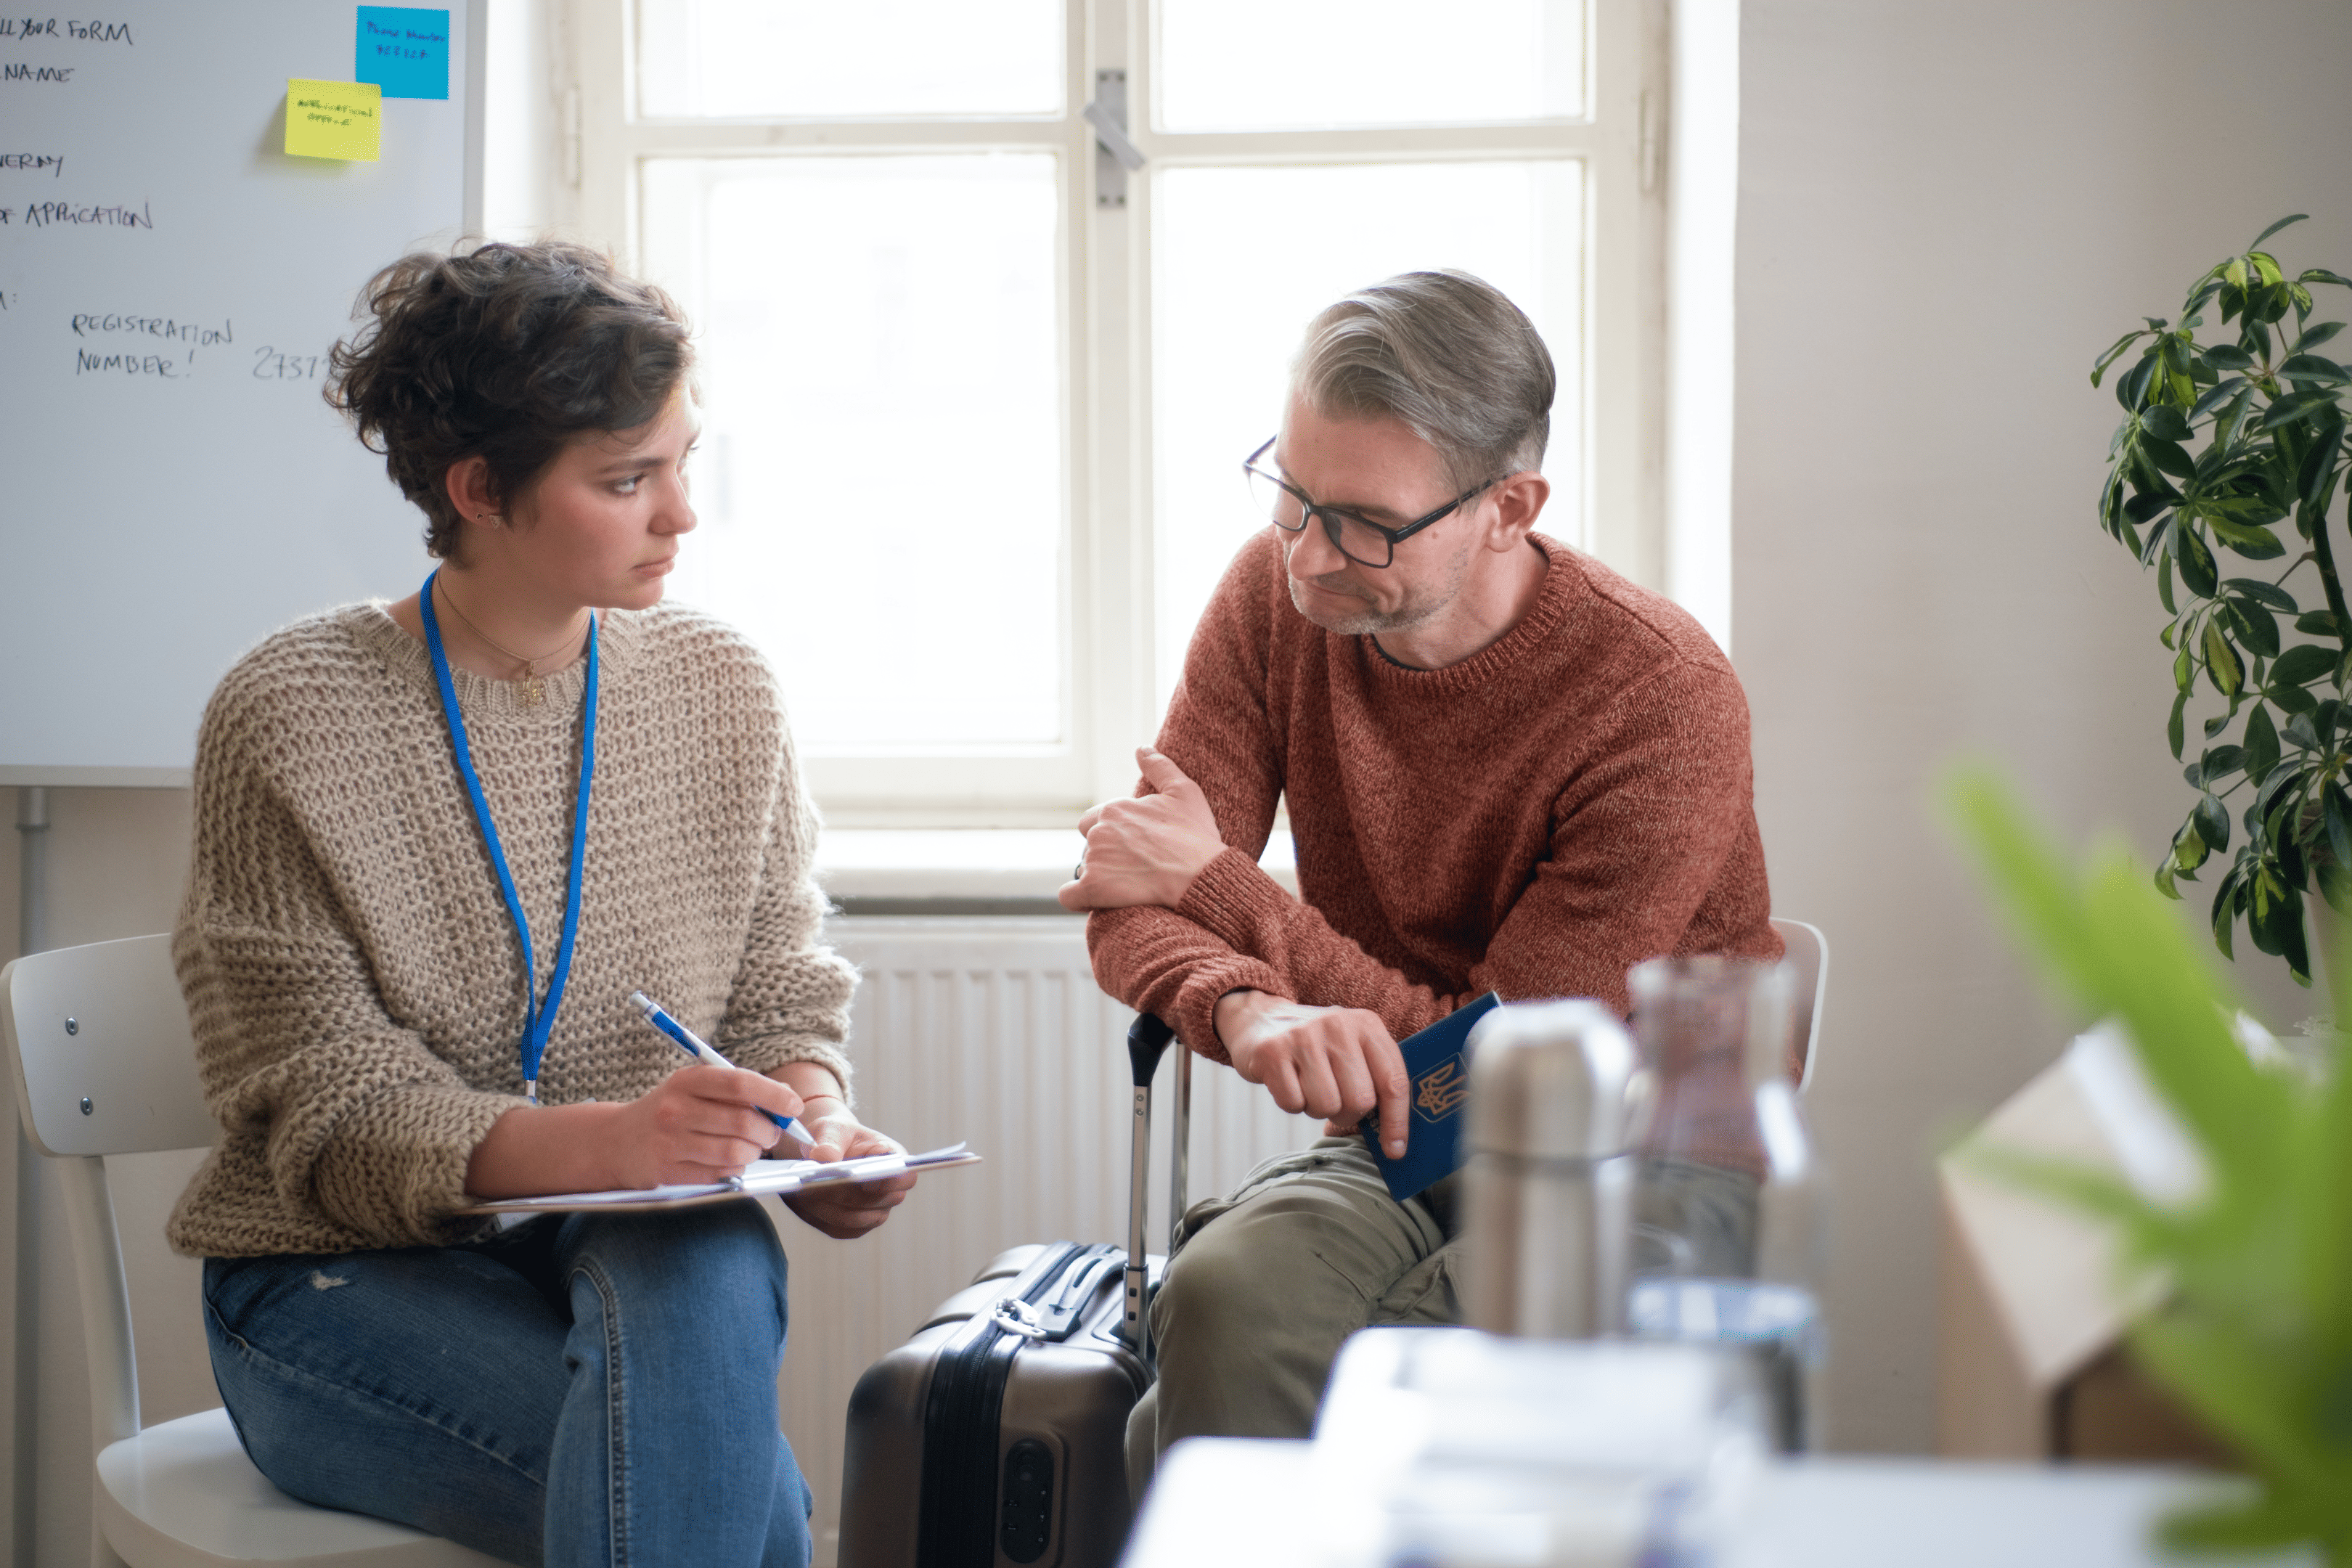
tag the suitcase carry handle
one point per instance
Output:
(1147, 1039)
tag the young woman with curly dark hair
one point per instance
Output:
(439, 843)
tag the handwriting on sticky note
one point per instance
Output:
(334, 119)
(404, 50)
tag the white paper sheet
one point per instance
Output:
(762, 1178)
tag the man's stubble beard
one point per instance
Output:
(1367, 621)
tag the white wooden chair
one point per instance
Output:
(102, 1061)
(1809, 955)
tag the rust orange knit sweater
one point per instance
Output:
(1535, 820)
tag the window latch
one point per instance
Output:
(1116, 157)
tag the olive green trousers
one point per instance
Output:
(1264, 1285)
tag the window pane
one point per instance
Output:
(1246, 64)
(819, 57)
(1224, 333)
(880, 479)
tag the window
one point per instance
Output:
(977, 396)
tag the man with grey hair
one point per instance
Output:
(1507, 768)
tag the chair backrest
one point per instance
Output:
(103, 1063)
(99, 1049)
(1809, 955)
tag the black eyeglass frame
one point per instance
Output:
(1330, 516)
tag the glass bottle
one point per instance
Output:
(1727, 1203)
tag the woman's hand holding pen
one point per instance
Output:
(699, 1124)
(702, 1124)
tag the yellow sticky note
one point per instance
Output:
(334, 119)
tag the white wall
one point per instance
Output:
(1946, 212)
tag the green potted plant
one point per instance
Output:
(2227, 461)
(2253, 1332)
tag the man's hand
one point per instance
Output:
(1146, 850)
(851, 1209)
(1338, 1063)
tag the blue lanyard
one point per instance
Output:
(539, 1016)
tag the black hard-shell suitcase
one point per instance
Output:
(995, 1438)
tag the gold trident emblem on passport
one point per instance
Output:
(1442, 1090)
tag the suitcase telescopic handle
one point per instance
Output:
(1147, 1039)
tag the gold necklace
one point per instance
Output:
(534, 691)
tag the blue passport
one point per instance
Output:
(1437, 1077)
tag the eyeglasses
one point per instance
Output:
(1359, 539)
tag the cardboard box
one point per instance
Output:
(2031, 1360)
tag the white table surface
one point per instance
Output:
(1237, 1503)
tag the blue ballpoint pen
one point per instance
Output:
(694, 1046)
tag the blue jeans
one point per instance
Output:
(584, 1389)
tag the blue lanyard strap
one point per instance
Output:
(539, 1016)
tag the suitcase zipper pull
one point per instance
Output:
(1018, 1316)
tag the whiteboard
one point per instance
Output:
(169, 283)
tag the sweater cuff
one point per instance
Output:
(394, 1169)
(1196, 1001)
(765, 1056)
(1234, 900)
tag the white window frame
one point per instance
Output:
(1106, 299)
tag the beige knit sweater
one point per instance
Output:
(355, 984)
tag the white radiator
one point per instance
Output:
(988, 1029)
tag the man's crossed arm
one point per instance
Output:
(1338, 1063)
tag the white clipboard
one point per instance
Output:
(761, 1178)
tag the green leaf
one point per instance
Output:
(2188, 852)
(2316, 623)
(2261, 743)
(2172, 725)
(2262, 593)
(2313, 369)
(2291, 699)
(2211, 820)
(2335, 811)
(2256, 628)
(2109, 357)
(2222, 665)
(2336, 888)
(2168, 456)
(2302, 664)
(2315, 336)
(2165, 421)
(2215, 394)
(2316, 482)
(2291, 217)
(2299, 733)
(2227, 356)
(2197, 572)
(2163, 588)
(2321, 275)
(2292, 410)
(2253, 544)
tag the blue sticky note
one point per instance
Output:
(1438, 1079)
(404, 52)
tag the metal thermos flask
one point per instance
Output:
(1549, 1206)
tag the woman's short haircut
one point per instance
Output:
(1448, 355)
(507, 352)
